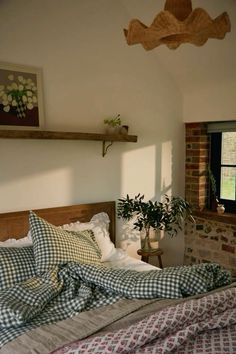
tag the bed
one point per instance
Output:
(138, 309)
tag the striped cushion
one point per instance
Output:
(16, 265)
(53, 246)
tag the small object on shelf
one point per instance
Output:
(112, 130)
(124, 129)
(155, 252)
(113, 125)
(220, 209)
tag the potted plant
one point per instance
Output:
(212, 181)
(113, 125)
(167, 215)
(215, 203)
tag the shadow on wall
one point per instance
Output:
(141, 174)
(39, 174)
(56, 173)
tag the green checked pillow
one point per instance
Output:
(16, 265)
(53, 246)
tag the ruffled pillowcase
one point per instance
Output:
(12, 242)
(99, 224)
(54, 246)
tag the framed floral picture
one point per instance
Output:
(21, 98)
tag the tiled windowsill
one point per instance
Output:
(226, 218)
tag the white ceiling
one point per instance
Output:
(213, 62)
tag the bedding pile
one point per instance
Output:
(61, 275)
(66, 290)
(173, 330)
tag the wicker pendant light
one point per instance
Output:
(178, 24)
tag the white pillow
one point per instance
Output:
(99, 224)
(12, 242)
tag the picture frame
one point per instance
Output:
(21, 97)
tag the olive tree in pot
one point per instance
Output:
(167, 215)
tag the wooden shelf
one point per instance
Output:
(40, 134)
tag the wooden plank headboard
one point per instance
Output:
(16, 224)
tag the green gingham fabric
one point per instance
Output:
(53, 246)
(67, 290)
(172, 282)
(25, 300)
(16, 265)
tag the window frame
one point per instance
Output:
(216, 165)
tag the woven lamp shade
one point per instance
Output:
(176, 25)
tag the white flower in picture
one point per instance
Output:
(18, 95)
(29, 106)
(21, 79)
(24, 99)
(6, 109)
(14, 86)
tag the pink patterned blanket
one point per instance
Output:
(205, 325)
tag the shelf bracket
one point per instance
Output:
(105, 147)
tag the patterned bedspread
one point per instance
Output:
(206, 325)
(64, 292)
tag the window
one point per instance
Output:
(223, 167)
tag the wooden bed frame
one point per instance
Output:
(16, 224)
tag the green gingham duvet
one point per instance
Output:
(67, 290)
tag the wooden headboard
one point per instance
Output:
(16, 224)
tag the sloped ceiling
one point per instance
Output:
(213, 62)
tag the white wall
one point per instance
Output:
(209, 78)
(90, 73)
(214, 101)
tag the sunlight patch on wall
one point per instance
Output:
(166, 168)
(138, 175)
(138, 172)
(32, 191)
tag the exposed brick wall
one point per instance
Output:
(197, 159)
(211, 241)
(208, 240)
